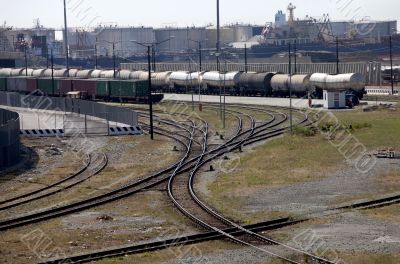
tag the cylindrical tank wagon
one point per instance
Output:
(284, 84)
(214, 81)
(260, 83)
(351, 82)
(181, 81)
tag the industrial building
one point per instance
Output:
(36, 39)
(309, 33)
(121, 38)
(179, 40)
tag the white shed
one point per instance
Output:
(334, 99)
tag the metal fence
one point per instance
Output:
(9, 138)
(371, 70)
(67, 105)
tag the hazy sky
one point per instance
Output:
(21, 13)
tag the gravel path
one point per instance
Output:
(314, 196)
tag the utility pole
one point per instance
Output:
(52, 71)
(95, 55)
(245, 58)
(113, 47)
(150, 95)
(290, 88)
(154, 58)
(224, 108)
(337, 55)
(218, 64)
(26, 61)
(200, 66)
(391, 64)
(149, 46)
(66, 38)
(191, 83)
(218, 37)
(47, 58)
(295, 56)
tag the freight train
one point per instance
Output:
(83, 84)
(263, 84)
(103, 84)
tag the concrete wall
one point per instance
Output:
(9, 138)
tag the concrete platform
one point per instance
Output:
(283, 102)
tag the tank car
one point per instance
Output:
(213, 82)
(283, 84)
(83, 74)
(354, 83)
(159, 80)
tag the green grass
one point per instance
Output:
(374, 129)
(301, 157)
(305, 131)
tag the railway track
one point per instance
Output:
(86, 164)
(185, 199)
(95, 164)
(243, 235)
(162, 244)
(225, 148)
(191, 162)
(116, 194)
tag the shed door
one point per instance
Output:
(336, 100)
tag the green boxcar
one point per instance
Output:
(122, 89)
(3, 84)
(102, 88)
(45, 85)
(141, 88)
